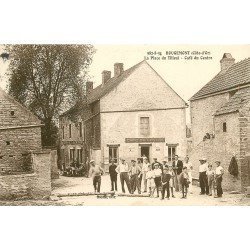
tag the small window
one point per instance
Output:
(70, 131)
(80, 129)
(63, 132)
(12, 112)
(7, 143)
(224, 127)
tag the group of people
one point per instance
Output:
(161, 178)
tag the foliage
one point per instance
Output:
(48, 79)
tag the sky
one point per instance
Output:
(185, 76)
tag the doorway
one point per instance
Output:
(145, 151)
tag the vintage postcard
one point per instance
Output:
(124, 125)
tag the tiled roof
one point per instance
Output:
(240, 98)
(103, 89)
(236, 75)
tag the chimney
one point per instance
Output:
(226, 61)
(118, 69)
(89, 87)
(106, 75)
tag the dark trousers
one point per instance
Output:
(203, 183)
(125, 178)
(97, 183)
(219, 187)
(165, 188)
(135, 183)
(113, 179)
(184, 187)
(157, 184)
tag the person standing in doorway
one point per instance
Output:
(219, 171)
(96, 172)
(123, 170)
(135, 172)
(113, 175)
(177, 167)
(189, 167)
(145, 168)
(203, 176)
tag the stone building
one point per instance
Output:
(20, 134)
(220, 120)
(131, 114)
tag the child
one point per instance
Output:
(171, 182)
(184, 180)
(150, 175)
(158, 173)
(211, 178)
(165, 178)
(218, 175)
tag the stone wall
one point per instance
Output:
(201, 113)
(15, 144)
(244, 126)
(224, 146)
(33, 185)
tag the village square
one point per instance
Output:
(126, 141)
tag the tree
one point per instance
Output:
(47, 79)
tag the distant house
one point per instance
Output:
(220, 116)
(135, 113)
(20, 133)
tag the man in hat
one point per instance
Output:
(95, 172)
(123, 170)
(113, 175)
(203, 176)
(219, 171)
(177, 167)
(145, 169)
(135, 172)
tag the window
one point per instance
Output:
(79, 155)
(171, 153)
(113, 154)
(144, 126)
(72, 155)
(12, 112)
(70, 131)
(80, 129)
(63, 132)
(224, 127)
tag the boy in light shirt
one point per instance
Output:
(211, 179)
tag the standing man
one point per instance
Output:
(123, 170)
(135, 172)
(145, 168)
(113, 175)
(177, 167)
(189, 167)
(95, 172)
(203, 176)
(219, 171)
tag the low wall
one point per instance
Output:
(35, 185)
